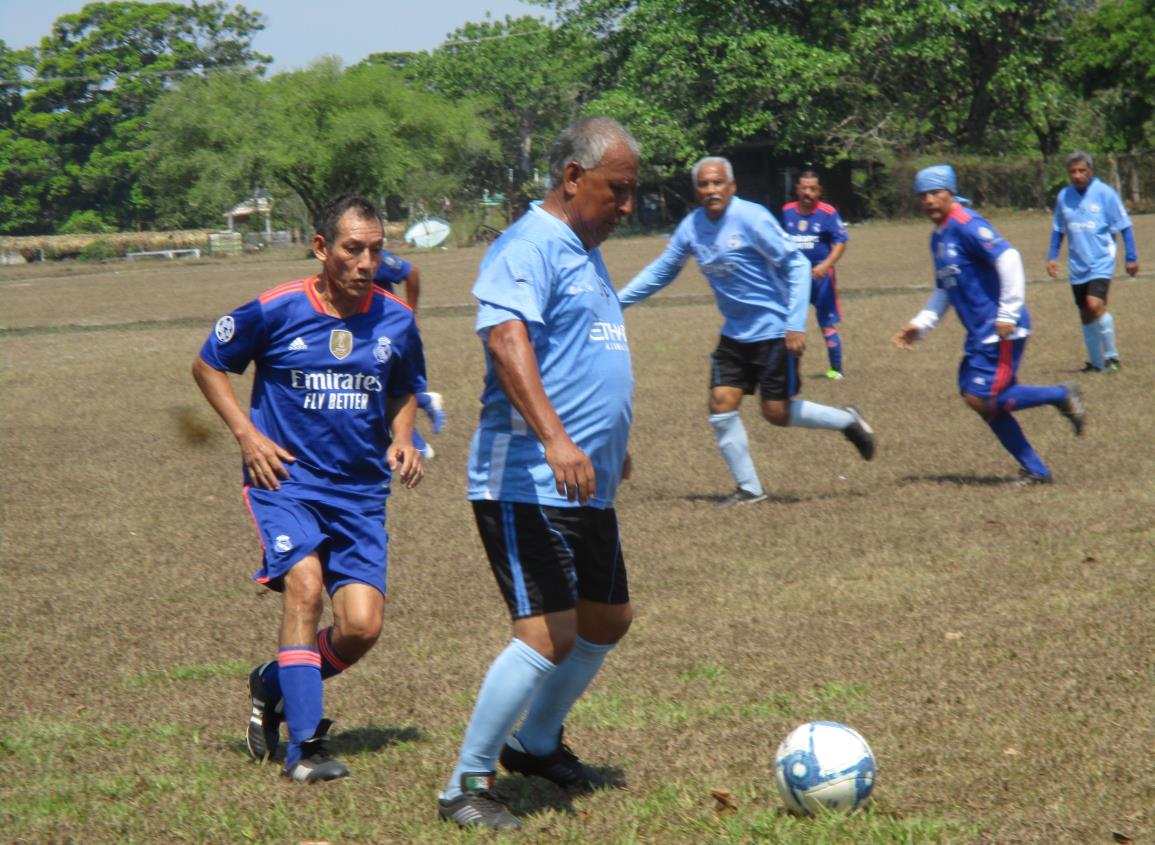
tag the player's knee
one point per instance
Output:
(776, 415)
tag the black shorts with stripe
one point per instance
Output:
(546, 558)
(765, 364)
(1098, 288)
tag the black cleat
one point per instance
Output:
(860, 433)
(1088, 367)
(561, 766)
(477, 806)
(316, 763)
(740, 497)
(1030, 479)
(1074, 408)
(263, 733)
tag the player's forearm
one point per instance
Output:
(1056, 245)
(401, 412)
(516, 368)
(655, 276)
(835, 253)
(798, 274)
(932, 312)
(1130, 252)
(1012, 286)
(218, 390)
(413, 288)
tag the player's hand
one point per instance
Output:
(1053, 269)
(1004, 329)
(796, 343)
(819, 272)
(406, 463)
(905, 337)
(627, 467)
(573, 471)
(1132, 268)
(265, 459)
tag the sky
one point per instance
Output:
(298, 31)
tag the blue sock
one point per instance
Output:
(509, 685)
(1093, 341)
(833, 347)
(331, 664)
(1007, 430)
(539, 732)
(805, 414)
(300, 677)
(423, 401)
(1019, 397)
(1106, 325)
(735, 449)
(418, 440)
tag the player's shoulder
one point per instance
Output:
(390, 301)
(286, 292)
(791, 206)
(827, 208)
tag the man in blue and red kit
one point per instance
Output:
(981, 275)
(338, 363)
(1091, 215)
(820, 234)
(392, 271)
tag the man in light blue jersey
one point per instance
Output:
(761, 283)
(392, 271)
(981, 275)
(545, 464)
(1090, 214)
(338, 363)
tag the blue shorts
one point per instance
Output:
(351, 542)
(992, 368)
(824, 298)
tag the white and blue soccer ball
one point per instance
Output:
(824, 767)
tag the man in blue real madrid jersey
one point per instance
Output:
(338, 361)
(546, 460)
(392, 271)
(1090, 214)
(818, 230)
(981, 275)
(761, 283)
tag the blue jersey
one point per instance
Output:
(539, 272)
(322, 383)
(965, 248)
(761, 281)
(1090, 220)
(391, 271)
(815, 233)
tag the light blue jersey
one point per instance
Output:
(761, 280)
(1090, 220)
(539, 272)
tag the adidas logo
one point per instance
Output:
(298, 345)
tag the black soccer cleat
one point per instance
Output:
(263, 734)
(860, 433)
(477, 806)
(1074, 408)
(561, 766)
(316, 763)
(740, 497)
(1088, 367)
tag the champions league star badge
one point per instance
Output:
(225, 329)
(383, 351)
(803, 225)
(340, 343)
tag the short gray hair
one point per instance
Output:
(725, 162)
(586, 142)
(1079, 155)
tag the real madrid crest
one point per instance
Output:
(383, 351)
(340, 343)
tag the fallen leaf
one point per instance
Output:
(1121, 837)
(726, 803)
(1011, 752)
(952, 635)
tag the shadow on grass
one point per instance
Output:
(961, 480)
(529, 795)
(353, 741)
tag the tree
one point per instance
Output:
(80, 128)
(311, 133)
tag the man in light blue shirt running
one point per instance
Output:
(1090, 214)
(761, 284)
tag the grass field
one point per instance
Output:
(994, 644)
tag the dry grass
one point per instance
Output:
(994, 644)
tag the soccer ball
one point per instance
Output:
(824, 767)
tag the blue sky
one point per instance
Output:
(299, 31)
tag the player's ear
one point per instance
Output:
(320, 248)
(571, 176)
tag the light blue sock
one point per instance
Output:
(509, 685)
(1106, 325)
(805, 414)
(538, 734)
(735, 449)
(1092, 339)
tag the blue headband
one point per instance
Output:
(939, 177)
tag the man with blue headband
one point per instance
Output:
(981, 275)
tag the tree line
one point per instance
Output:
(162, 115)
